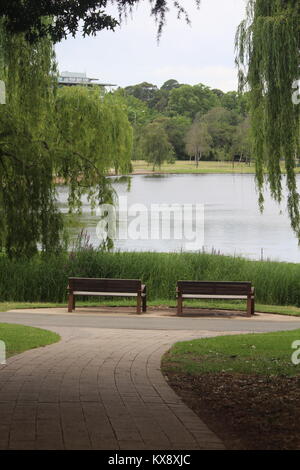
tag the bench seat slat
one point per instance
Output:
(108, 294)
(213, 296)
(215, 290)
(107, 288)
(105, 285)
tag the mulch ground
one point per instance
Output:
(246, 412)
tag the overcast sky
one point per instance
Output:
(200, 53)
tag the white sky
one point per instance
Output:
(202, 53)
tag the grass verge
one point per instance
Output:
(19, 338)
(265, 354)
(244, 387)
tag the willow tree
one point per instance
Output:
(94, 137)
(268, 43)
(155, 145)
(27, 196)
(77, 134)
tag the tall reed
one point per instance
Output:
(44, 279)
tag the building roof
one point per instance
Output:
(77, 78)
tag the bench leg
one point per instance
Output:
(139, 305)
(252, 306)
(71, 303)
(179, 305)
(249, 306)
(144, 301)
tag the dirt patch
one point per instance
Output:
(246, 412)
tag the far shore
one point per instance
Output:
(184, 167)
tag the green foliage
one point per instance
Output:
(144, 91)
(155, 145)
(44, 279)
(189, 100)
(222, 127)
(198, 140)
(268, 44)
(242, 143)
(94, 135)
(170, 84)
(176, 128)
(26, 16)
(75, 133)
(174, 106)
(27, 196)
(234, 101)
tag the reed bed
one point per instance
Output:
(44, 279)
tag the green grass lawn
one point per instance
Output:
(278, 309)
(184, 166)
(181, 166)
(19, 338)
(265, 354)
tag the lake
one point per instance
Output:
(233, 223)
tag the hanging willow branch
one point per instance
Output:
(268, 43)
(73, 133)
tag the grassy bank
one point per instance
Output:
(182, 166)
(44, 279)
(244, 387)
(262, 354)
(19, 338)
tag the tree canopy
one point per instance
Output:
(190, 100)
(175, 106)
(27, 16)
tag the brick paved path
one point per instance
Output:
(97, 389)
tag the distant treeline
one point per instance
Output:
(180, 122)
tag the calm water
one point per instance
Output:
(232, 221)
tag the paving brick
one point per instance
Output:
(97, 389)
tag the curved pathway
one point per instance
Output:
(100, 388)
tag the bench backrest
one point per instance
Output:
(104, 285)
(214, 288)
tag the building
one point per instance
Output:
(80, 79)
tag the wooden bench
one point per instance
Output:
(215, 290)
(107, 287)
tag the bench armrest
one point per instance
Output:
(252, 290)
(144, 288)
